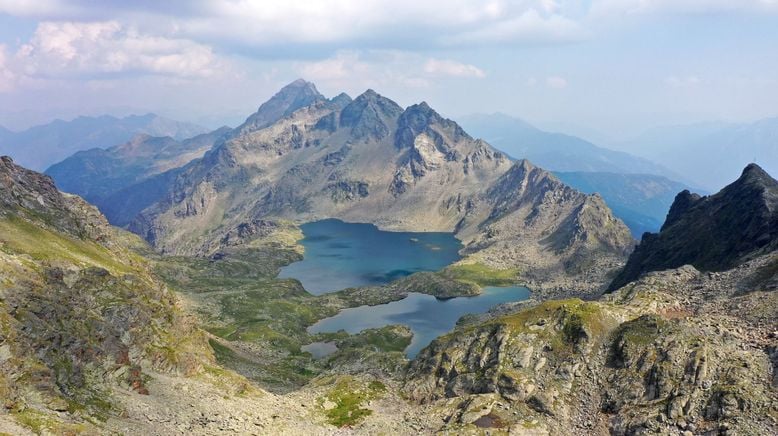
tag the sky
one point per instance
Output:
(610, 67)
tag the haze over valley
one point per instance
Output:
(344, 223)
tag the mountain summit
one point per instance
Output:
(290, 98)
(712, 233)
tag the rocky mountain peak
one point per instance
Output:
(712, 233)
(290, 98)
(683, 201)
(754, 176)
(420, 118)
(524, 166)
(370, 115)
(341, 100)
(22, 188)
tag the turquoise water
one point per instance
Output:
(427, 316)
(341, 255)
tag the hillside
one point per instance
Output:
(677, 352)
(81, 312)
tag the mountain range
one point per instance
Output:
(556, 151)
(40, 146)
(639, 191)
(710, 154)
(369, 160)
(99, 174)
(640, 200)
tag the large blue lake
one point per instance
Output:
(340, 255)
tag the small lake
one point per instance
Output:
(427, 316)
(341, 255)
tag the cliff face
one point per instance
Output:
(368, 160)
(712, 233)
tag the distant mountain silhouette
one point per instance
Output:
(40, 146)
(711, 154)
(555, 151)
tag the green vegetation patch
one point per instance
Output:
(642, 331)
(343, 403)
(388, 338)
(20, 236)
(43, 423)
(482, 275)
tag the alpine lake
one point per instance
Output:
(340, 255)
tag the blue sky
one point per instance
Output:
(612, 66)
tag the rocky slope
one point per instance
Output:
(713, 233)
(369, 160)
(677, 352)
(80, 312)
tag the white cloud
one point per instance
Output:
(65, 49)
(364, 24)
(390, 23)
(447, 67)
(342, 66)
(531, 26)
(556, 82)
(356, 71)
